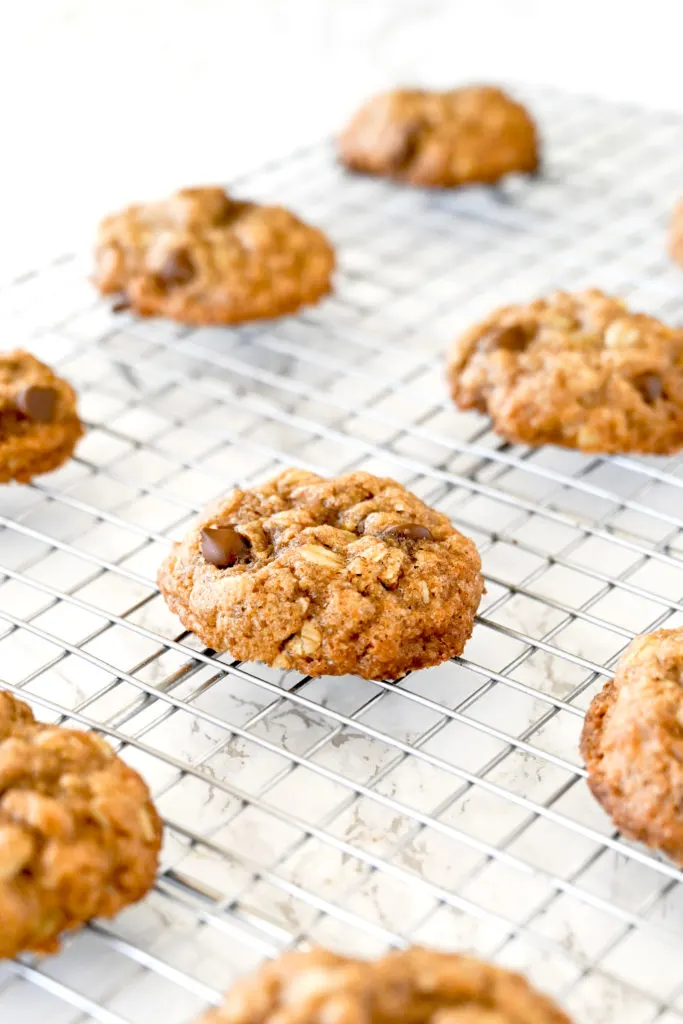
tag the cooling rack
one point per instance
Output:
(449, 808)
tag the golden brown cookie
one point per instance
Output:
(414, 986)
(79, 835)
(39, 425)
(473, 134)
(328, 577)
(632, 743)
(201, 257)
(574, 370)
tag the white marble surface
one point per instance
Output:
(107, 102)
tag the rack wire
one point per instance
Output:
(449, 808)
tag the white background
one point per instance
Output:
(106, 101)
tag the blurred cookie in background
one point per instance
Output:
(632, 743)
(39, 424)
(201, 257)
(410, 986)
(79, 835)
(458, 137)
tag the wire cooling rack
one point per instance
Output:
(450, 808)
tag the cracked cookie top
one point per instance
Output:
(79, 835)
(579, 370)
(414, 986)
(632, 742)
(328, 577)
(473, 134)
(202, 257)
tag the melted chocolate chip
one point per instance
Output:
(120, 306)
(650, 386)
(512, 339)
(223, 546)
(407, 531)
(177, 268)
(235, 209)
(38, 403)
(407, 141)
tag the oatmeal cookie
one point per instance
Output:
(579, 371)
(39, 425)
(474, 134)
(632, 743)
(414, 986)
(201, 257)
(79, 835)
(328, 577)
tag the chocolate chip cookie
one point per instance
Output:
(201, 257)
(79, 835)
(328, 577)
(39, 425)
(474, 134)
(632, 743)
(414, 986)
(580, 371)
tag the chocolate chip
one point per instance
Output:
(512, 339)
(235, 209)
(407, 531)
(650, 386)
(38, 403)
(406, 144)
(120, 306)
(223, 546)
(177, 268)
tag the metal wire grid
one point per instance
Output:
(449, 808)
